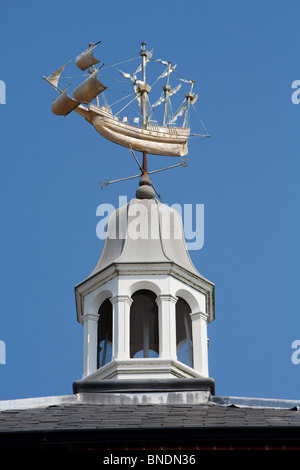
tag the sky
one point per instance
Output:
(244, 57)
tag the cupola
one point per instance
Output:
(145, 308)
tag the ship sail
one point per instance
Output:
(191, 99)
(160, 100)
(194, 99)
(167, 72)
(178, 113)
(53, 79)
(135, 82)
(134, 79)
(174, 90)
(89, 89)
(162, 97)
(64, 104)
(86, 59)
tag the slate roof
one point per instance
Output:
(94, 416)
(216, 424)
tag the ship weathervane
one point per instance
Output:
(142, 131)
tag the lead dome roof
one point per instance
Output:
(145, 231)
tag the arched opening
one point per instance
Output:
(144, 325)
(104, 342)
(184, 342)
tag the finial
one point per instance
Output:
(145, 190)
(143, 50)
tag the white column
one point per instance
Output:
(121, 326)
(199, 332)
(90, 333)
(167, 326)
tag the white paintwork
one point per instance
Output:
(148, 368)
(120, 290)
(90, 328)
(199, 332)
(121, 326)
(167, 325)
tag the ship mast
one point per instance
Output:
(189, 97)
(143, 87)
(91, 70)
(167, 90)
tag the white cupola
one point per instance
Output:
(145, 308)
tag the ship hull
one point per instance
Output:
(154, 140)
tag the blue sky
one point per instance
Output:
(244, 58)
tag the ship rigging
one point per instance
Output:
(149, 137)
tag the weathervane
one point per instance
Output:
(151, 138)
(144, 175)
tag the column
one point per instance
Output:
(199, 332)
(167, 326)
(121, 326)
(90, 333)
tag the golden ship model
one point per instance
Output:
(150, 137)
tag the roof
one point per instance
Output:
(219, 421)
(94, 416)
(145, 231)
